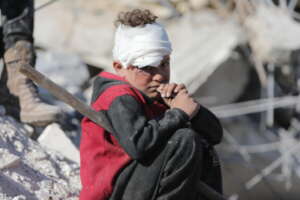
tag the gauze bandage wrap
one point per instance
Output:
(141, 46)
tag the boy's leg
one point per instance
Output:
(171, 173)
(183, 167)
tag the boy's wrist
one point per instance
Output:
(181, 113)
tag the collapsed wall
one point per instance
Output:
(29, 171)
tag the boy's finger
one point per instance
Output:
(184, 90)
(179, 87)
(170, 89)
(161, 89)
(164, 89)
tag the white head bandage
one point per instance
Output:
(141, 46)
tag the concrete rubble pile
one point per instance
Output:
(30, 171)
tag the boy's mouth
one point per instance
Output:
(154, 88)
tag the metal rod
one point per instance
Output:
(45, 5)
(270, 95)
(66, 97)
(253, 106)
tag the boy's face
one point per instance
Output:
(147, 79)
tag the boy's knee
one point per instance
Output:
(184, 134)
(183, 150)
(184, 139)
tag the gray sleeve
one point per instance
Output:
(208, 125)
(135, 133)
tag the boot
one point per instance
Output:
(10, 102)
(32, 109)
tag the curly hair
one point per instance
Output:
(136, 17)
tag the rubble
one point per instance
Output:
(266, 36)
(64, 68)
(8, 160)
(50, 137)
(31, 172)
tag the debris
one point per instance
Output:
(8, 159)
(266, 36)
(54, 138)
(29, 171)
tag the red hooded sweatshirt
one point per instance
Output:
(102, 158)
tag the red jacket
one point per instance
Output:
(101, 156)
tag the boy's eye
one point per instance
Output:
(148, 68)
(145, 70)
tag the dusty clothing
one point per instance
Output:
(153, 153)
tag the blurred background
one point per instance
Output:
(240, 58)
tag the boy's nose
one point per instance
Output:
(160, 77)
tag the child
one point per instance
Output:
(162, 142)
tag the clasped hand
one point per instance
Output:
(177, 96)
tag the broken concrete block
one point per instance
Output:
(29, 130)
(197, 4)
(55, 139)
(19, 197)
(8, 159)
(25, 165)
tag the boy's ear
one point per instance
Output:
(119, 69)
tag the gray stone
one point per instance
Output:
(8, 159)
(50, 137)
(27, 169)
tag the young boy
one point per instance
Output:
(162, 143)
